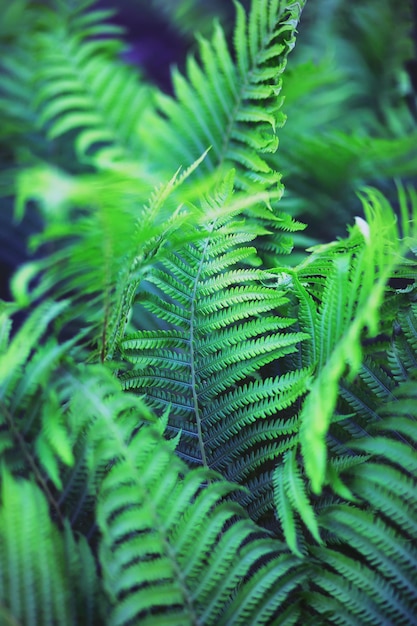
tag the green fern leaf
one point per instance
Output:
(114, 243)
(220, 334)
(285, 511)
(379, 544)
(365, 595)
(172, 547)
(231, 106)
(40, 578)
(291, 497)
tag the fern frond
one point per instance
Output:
(115, 235)
(376, 380)
(364, 594)
(52, 61)
(227, 103)
(291, 499)
(46, 577)
(402, 354)
(378, 544)
(24, 341)
(382, 491)
(364, 395)
(101, 101)
(172, 546)
(398, 442)
(48, 402)
(223, 327)
(334, 292)
(362, 403)
(34, 435)
(231, 103)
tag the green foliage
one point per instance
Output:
(194, 427)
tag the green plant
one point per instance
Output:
(196, 431)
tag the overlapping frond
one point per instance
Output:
(290, 391)
(340, 290)
(48, 402)
(174, 548)
(364, 570)
(350, 282)
(387, 364)
(363, 563)
(119, 227)
(231, 101)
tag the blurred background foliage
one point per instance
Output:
(350, 98)
(351, 103)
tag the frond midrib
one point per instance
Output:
(193, 368)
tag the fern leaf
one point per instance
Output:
(362, 403)
(291, 497)
(308, 320)
(232, 106)
(285, 511)
(25, 340)
(172, 547)
(370, 544)
(378, 543)
(400, 453)
(220, 333)
(365, 595)
(114, 260)
(297, 494)
(40, 578)
(59, 96)
(380, 494)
